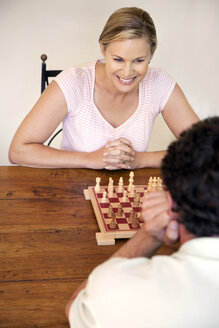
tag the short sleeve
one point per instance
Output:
(161, 86)
(71, 83)
(80, 315)
(91, 306)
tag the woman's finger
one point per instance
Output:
(118, 142)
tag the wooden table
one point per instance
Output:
(47, 240)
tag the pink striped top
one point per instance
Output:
(85, 129)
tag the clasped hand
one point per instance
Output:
(119, 154)
(160, 221)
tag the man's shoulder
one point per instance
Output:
(120, 269)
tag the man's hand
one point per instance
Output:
(160, 221)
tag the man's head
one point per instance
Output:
(190, 172)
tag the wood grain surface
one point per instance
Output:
(47, 240)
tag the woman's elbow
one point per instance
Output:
(15, 154)
(12, 155)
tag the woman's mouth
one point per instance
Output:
(126, 81)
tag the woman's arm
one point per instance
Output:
(27, 145)
(178, 114)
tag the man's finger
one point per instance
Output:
(153, 198)
(172, 232)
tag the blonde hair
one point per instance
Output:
(129, 23)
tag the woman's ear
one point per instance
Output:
(150, 58)
(102, 50)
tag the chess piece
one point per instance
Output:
(110, 211)
(132, 192)
(131, 216)
(154, 184)
(131, 180)
(159, 184)
(110, 184)
(110, 191)
(134, 224)
(97, 186)
(140, 218)
(119, 212)
(120, 185)
(112, 224)
(104, 199)
(149, 187)
(136, 202)
(131, 176)
(130, 186)
(125, 198)
(159, 180)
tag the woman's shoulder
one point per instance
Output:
(81, 73)
(155, 74)
(76, 83)
(157, 78)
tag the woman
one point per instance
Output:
(107, 107)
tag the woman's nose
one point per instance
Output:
(127, 69)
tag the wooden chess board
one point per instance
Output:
(123, 228)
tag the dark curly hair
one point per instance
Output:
(190, 172)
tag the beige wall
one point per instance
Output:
(68, 30)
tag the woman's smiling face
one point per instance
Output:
(127, 62)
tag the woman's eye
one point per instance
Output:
(118, 59)
(139, 60)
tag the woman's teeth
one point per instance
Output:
(126, 81)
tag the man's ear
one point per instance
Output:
(170, 201)
(170, 204)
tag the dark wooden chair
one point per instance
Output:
(45, 75)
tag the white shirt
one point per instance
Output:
(177, 291)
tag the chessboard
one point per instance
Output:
(118, 207)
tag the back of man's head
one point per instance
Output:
(191, 174)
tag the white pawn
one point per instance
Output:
(149, 187)
(97, 187)
(125, 198)
(110, 192)
(159, 184)
(136, 202)
(103, 200)
(132, 192)
(120, 185)
(131, 176)
(154, 184)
